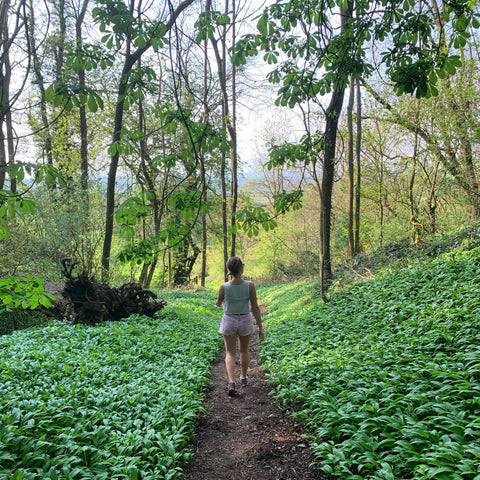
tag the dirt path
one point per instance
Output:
(248, 436)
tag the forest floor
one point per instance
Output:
(248, 436)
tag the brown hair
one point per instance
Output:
(234, 265)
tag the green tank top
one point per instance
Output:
(237, 298)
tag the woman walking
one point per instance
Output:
(239, 298)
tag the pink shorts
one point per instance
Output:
(241, 324)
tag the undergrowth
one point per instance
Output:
(387, 373)
(17, 319)
(405, 253)
(386, 377)
(115, 401)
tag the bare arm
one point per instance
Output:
(221, 296)
(256, 310)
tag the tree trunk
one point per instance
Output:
(358, 155)
(11, 148)
(228, 122)
(169, 267)
(151, 270)
(112, 176)
(351, 175)
(233, 137)
(143, 275)
(202, 160)
(6, 137)
(204, 230)
(332, 115)
(414, 221)
(4, 86)
(380, 197)
(47, 135)
(83, 111)
(224, 214)
(432, 200)
(59, 5)
(7, 145)
(3, 157)
(129, 62)
(183, 261)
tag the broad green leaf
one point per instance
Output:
(113, 149)
(92, 104)
(262, 24)
(223, 19)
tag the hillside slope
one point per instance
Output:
(386, 376)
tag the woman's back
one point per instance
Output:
(237, 298)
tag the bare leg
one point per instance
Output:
(230, 354)
(244, 354)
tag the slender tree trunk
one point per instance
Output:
(7, 100)
(112, 176)
(432, 200)
(332, 115)
(204, 230)
(3, 157)
(204, 223)
(224, 212)
(82, 111)
(358, 155)
(169, 267)
(351, 174)
(60, 39)
(380, 195)
(233, 135)
(6, 137)
(143, 274)
(203, 173)
(4, 86)
(227, 122)
(151, 271)
(47, 135)
(414, 221)
(11, 148)
(59, 51)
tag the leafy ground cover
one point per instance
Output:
(386, 376)
(403, 253)
(116, 401)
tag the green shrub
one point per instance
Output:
(17, 319)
